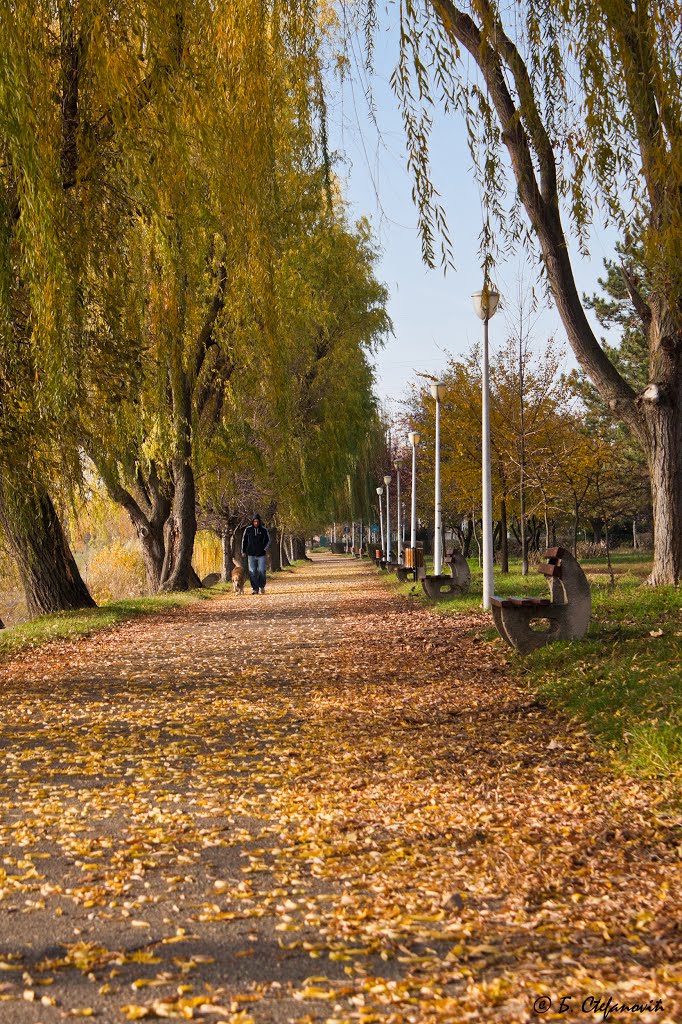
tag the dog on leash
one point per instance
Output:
(238, 579)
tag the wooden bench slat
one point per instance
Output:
(550, 570)
(554, 553)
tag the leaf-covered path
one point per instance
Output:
(318, 805)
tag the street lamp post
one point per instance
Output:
(398, 463)
(387, 481)
(414, 437)
(437, 392)
(485, 305)
(380, 491)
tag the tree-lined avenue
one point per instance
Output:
(325, 804)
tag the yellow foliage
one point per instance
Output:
(208, 553)
(116, 571)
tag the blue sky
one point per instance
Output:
(432, 313)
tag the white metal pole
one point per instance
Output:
(400, 539)
(488, 579)
(437, 554)
(381, 524)
(388, 523)
(413, 523)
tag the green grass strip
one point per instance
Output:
(624, 680)
(67, 625)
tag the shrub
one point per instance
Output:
(116, 571)
(208, 553)
(592, 549)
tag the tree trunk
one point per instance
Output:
(153, 550)
(298, 545)
(148, 506)
(576, 517)
(36, 539)
(274, 562)
(150, 532)
(170, 539)
(522, 524)
(606, 533)
(237, 546)
(475, 536)
(178, 574)
(464, 537)
(466, 544)
(497, 533)
(504, 540)
(522, 466)
(664, 456)
(226, 538)
(534, 533)
(284, 559)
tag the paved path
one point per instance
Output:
(319, 805)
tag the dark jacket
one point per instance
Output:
(256, 540)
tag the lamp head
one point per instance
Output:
(387, 479)
(414, 437)
(380, 491)
(437, 390)
(486, 302)
(397, 462)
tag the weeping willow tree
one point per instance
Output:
(222, 203)
(148, 155)
(171, 242)
(73, 81)
(325, 394)
(582, 100)
(296, 417)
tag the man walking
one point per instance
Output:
(255, 543)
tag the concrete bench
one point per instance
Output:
(440, 587)
(527, 623)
